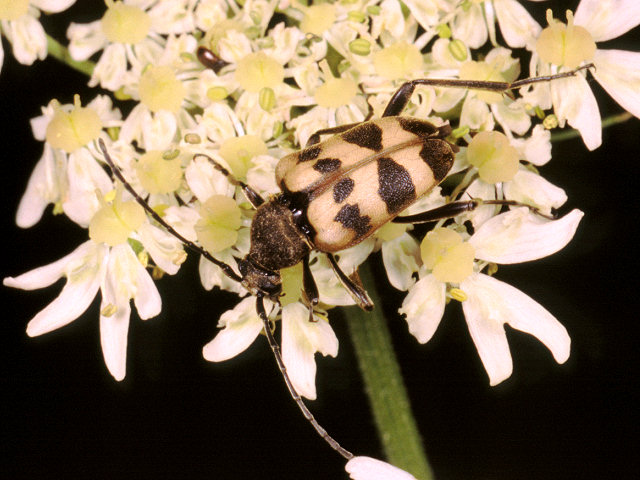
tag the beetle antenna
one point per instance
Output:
(275, 348)
(227, 270)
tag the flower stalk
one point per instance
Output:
(378, 364)
(61, 53)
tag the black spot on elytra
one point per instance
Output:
(421, 128)
(367, 135)
(342, 190)
(439, 156)
(327, 165)
(349, 216)
(309, 154)
(395, 185)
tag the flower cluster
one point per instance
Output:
(269, 75)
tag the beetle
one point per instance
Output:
(337, 192)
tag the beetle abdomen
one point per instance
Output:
(359, 180)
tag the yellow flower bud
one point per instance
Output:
(448, 257)
(159, 89)
(400, 60)
(13, 9)
(220, 219)
(238, 152)
(158, 175)
(125, 24)
(257, 71)
(70, 131)
(336, 92)
(494, 157)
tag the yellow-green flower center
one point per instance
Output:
(13, 9)
(220, 219)
(257, 71)
(238, 152)
(115, 221)
(157, 174)
(448, 257)
(400, 60)
(318, 19)
(336, 92)
(70, 131)
(159, 89)
(291, 284)
(125, 24)
(565, 44)
(493, 156)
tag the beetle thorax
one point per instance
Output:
(276, 241)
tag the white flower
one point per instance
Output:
(367, 468)
(512, 237)
(617, 71)
(118, 274)
(301, 339)
(19, 23)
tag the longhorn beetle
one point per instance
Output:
(328, 203)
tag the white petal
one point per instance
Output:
(52, 6)
(159, 132)
(211, 275)
(530, 188)
(241, 327)
(367, 468)
(485, 191)
(476, 114)
(1, 56)
(470, 26)
(536, 148)
(423, 307)
(85, 39)
(113, 338)
(521, 236)
(400, 257)
(28, 39)
(44, 187)
(492, 303)
(86, 180)
(574, 101)
(165, 249)
(301, 339)
(147, 299)
(618, 71)
(48, 274)
(204, 181)
(84, 270)
(110, 70)
(518, 27)
(607, 19)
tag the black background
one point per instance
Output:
(178, 416)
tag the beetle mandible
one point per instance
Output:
(337, 192)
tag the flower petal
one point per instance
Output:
(521, 236)
(618, 71)
(518, 27)
(367, 468)
(301, 339)
(574, 101)
(241, 327)
(607, 19)
(52, 6)
(400, 257)
(114, 330)
(489, 305)
(423, 307)
(84, 274)
(530, 188)
(165, 249)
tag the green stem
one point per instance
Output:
(385, 388)
(61, 53)
(607, 122)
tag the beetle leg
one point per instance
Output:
(275, 348)
(310, 287)
(400, 99)
(353, 285)
(454, 209)
(315, 138)
(254, 197)
(226, 269)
